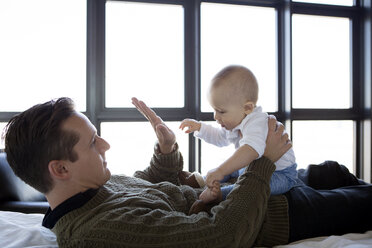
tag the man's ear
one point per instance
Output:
(249, 107)
(58, 169)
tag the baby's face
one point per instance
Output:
(228, 109)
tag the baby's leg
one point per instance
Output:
(283, 180)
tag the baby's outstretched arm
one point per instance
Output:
(241, 158)
(191, 125)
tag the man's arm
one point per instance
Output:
(166, 161)
(165, 135)
(163, 167)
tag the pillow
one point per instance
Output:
(12, 188)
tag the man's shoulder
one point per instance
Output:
(123, 181)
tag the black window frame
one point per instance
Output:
(360, 113)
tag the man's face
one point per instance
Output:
(90, 169)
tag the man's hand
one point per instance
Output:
(166, 137)
(192, 125)
(277, 143)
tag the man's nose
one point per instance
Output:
(104, 145)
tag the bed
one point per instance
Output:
(25, 230)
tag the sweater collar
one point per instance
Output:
(52, 216)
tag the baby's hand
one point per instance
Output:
(213, 176)
(192, 125)
(216, 189)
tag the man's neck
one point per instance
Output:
(60, 194)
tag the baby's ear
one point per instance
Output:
(249, 107)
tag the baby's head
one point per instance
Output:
(233, 95)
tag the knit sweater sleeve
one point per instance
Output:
(163, 167)
(235, 222)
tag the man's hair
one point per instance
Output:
(35, 137)
(240, 80)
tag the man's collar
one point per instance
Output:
(52, 216)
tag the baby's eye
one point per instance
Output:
(219, 111)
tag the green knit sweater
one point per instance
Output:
(150, 210)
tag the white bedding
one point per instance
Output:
(25, 230)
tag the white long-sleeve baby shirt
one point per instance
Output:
(253, 130)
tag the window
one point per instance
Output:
(333, 2)
(311, 58)
(212, 156)
(321, 62)
(43, 52)
(133, 142)
(244, 35)
(317, 141)
(144, 53)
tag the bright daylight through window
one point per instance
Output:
(164, 54)
(41, 60)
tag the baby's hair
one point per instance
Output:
(239, 79)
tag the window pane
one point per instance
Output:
(236, 34)
(317, 141)
(2, 126)
(333, 2)
(321, 62)
(43, 52)
(212, 156)
(132, 145)
(144, 54)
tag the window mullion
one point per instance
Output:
(95, 59)
(192, 74)
(284, 61)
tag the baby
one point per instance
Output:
(233, 95)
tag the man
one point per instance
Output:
(57, 150)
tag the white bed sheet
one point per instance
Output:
(25, 230)
(350, 240)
